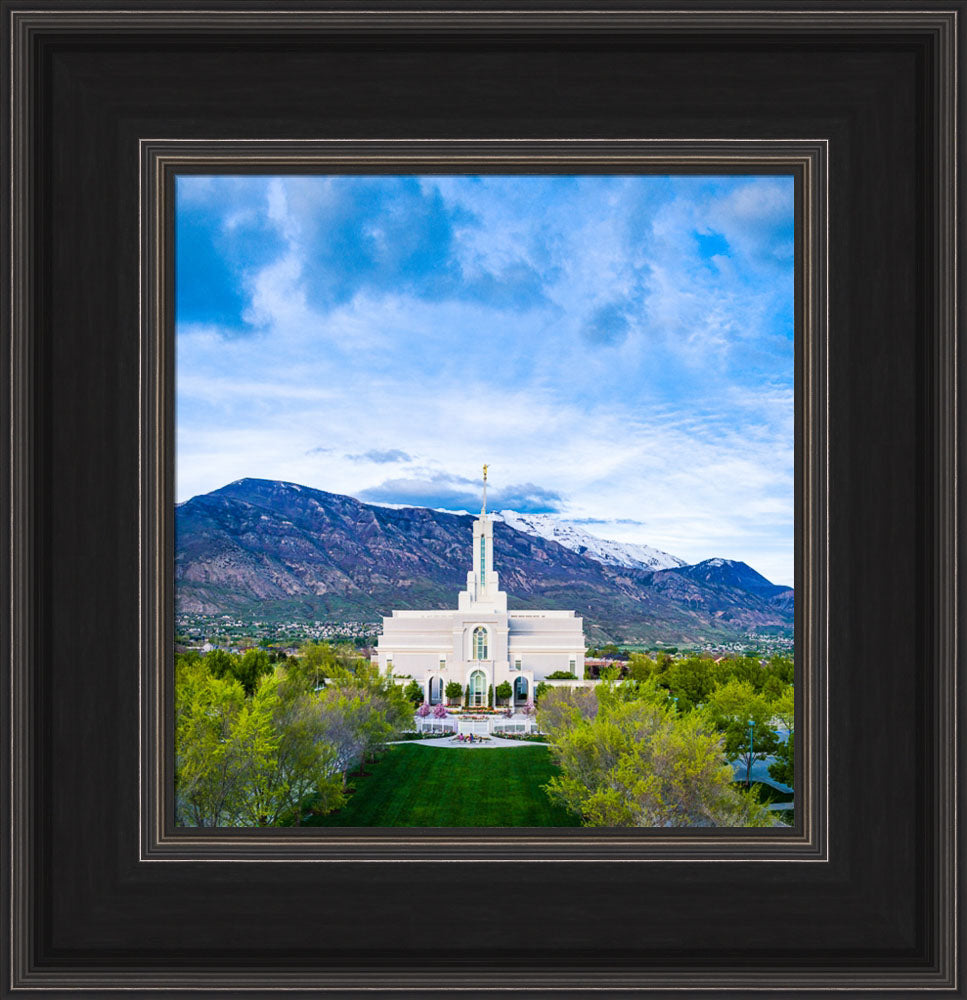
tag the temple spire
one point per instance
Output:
(483, 508)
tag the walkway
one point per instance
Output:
(760, 772)
(493, 742)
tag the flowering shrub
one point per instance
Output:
(529, 709)
(423, 711)
(440, 712)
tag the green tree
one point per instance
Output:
(220, 663)
(208, 757)
(640, 667)
(453, 690)
(781, 667)
(636, 763)
(343, 717)
(504, 689)
(777, 674)
(287, 758)
(731, 707)
(741, 668)
(413, 692)
(254, 663)
(561, 709)
(783, 768)
(691, 680)
(313, 665)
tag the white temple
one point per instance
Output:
(481, 643)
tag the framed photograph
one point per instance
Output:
(430, 429)
(465, 313)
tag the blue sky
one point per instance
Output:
(618, 349)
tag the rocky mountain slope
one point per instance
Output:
(279, 551)
(602, 550)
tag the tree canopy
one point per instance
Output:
(635, 762)
(257, 744)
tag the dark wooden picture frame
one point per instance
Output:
(104, 106)
(161, 162)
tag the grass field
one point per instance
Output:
(416, 785)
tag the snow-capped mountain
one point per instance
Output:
(280, 551)
(578, 540)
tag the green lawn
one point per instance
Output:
(416, 785)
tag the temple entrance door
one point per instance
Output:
(478, 689)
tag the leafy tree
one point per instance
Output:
(783, 768)
(730, 709)
(782, 667)
(636, 763)
(504, 689)
(413, 692)
(319, 662)
(562, 708)
(257, 743)
(314, 664)
(362, 712)
(540, 690)
(769, 678)
(253, 664)
(453, 690)
(208, 757)
(777, 674)
(220, 663)
(344, 720)
(248, 761)
(691, 680)
(640, 667)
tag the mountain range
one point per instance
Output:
(279, 551)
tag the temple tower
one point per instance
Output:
(483, 591)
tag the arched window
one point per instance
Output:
(480, 643)
(478, 688)
(520, 688)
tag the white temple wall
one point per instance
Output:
(524, 643)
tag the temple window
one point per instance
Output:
(480, 643)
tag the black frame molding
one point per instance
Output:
(83, 917)
(161, 162)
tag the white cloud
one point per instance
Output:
(683, 422)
